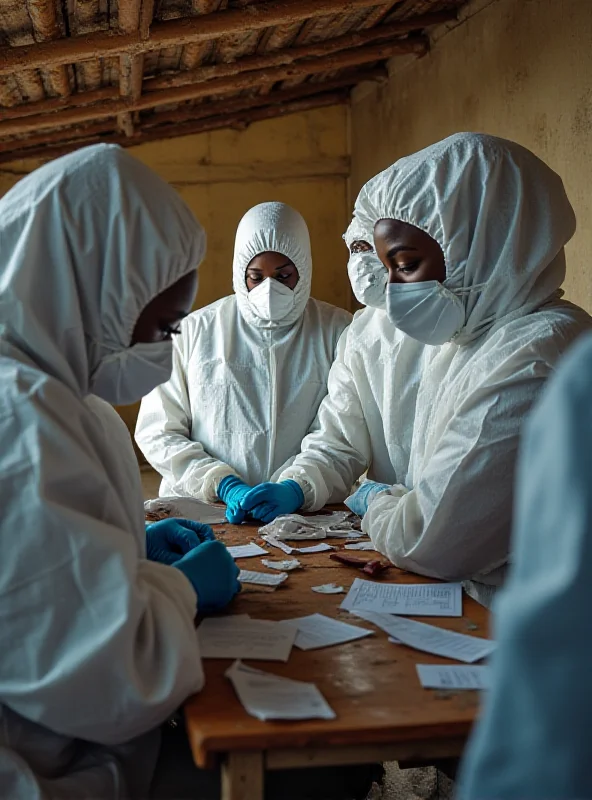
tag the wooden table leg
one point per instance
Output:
(242, 776)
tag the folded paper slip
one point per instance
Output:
(266, 696)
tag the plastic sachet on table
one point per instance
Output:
(185, 508)
(339, 524)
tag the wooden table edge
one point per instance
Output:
(415, 744)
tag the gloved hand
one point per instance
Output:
(213, 574)
(268, 500)
(170, 539)
(359, 501)
(231, 491)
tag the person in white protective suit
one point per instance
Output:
(533, 739)
(432, 383)
(98, 261)
(250, 372)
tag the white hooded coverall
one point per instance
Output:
(99, 643)
(244, 391)
(441, 424)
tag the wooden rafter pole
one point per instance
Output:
(172, 33)
(193, 113)
(293, 54)
(250, 80)
(60, 136)
(80, 99)
(134, 15)
(194, 53)
(174, 130)
(45, 25)
(246, 64)
(243, 103)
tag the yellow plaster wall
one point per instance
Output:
(521, 69)
(301, 159)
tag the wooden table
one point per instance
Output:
(383, 713)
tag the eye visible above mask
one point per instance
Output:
(271, 300)
(426, 311)
(129, 375)
(368, 278)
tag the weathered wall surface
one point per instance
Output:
(521, 69)
(302, 160)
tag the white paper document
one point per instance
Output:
(415, 599)
(318, 630)
(262, 578)
(360, 546)
(437, 676)
(286, 565)
(240, 636)
(315, 548)
(273, 542)
(246, 550)
(430, 638)
(328, 588)
(186, 508)
(266, 696)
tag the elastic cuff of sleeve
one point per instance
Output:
(308, 492)
(378, 502)
(225, 484)
(211, 481)
(297, 491)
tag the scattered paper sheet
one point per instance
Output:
(267, 696)
(328, 588)
(294, 526)
(239, 636)
(315, 548)
(273, 542)
(186, 508)
(246, 550)
(262, 578)
(286, 565)
(360, 546)
(318, 630)
(430, 638)
(437, 676)
(416, 599)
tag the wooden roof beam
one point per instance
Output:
(250, 80)
(169, 131)
(204, 110)
(292, 54)
(244, 103)
(246, 64)
(46, 28)
(134, 15)
(80, 99)
(59, 136)
(172, 33)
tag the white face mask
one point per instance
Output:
(426, 311)
(368, 278)
(129, 375)
(271, 300)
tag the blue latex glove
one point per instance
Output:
(231, 491)
(170, 539)
(359, 501)
(213, 574)
(268, 500)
